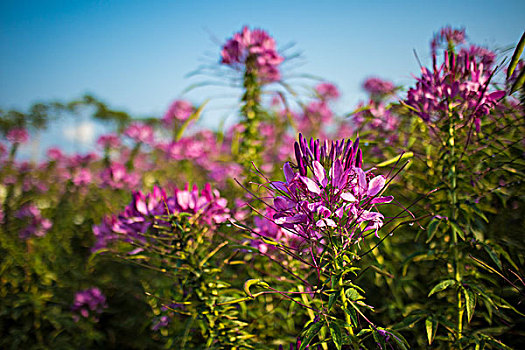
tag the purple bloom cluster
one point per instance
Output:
(206, 208)
(447, 37)
(254, 45)
(116, 176)
(89, 303)
(109, 141)
(327, 91)
(379, 119)
(180, 110)
(377, 86)
(462, 86)
(17, 135)
(37, 225)
(328, 190)
(140, 133)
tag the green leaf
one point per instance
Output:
(516, 56)
(518, 83)
(493, 255)
(310, 333)
(457, 229)
(337, 337)
(431, 326)
(353, 316)
(395, 159)
(353, 294)
(432, 228)
(441, 286)
(331, 300)
(400, 340)
(470, 303)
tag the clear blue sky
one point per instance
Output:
(135, 54)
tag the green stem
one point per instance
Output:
(453, 216)
(250, 147)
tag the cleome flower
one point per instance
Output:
(89, 303)
(144, 211)
(328, 193)
(460, 83)
(255, 46)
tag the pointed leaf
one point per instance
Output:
(470, 303)
(310, 333)
(518, 84)
(516, 56)
(428, 326)
(337, 337)
(441, 286)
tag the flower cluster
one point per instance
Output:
(140, 133)
(180, 110)
(109, 141)
(17, 135)
(116, 176)
(89, 303)
(378, 87)
(379, 119)
(327, 91)
(253, 50)
(447, 37)
(37, 225)
(328, 189)
(462, 86)
(142, 214)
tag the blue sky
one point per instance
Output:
(135, 55)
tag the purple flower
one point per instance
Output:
(89, 303)
(55, 154)
(327, 91)
(116, 176)
(206, 206)
(377, 86)
(459, 83)
(109, 141)
(255, 46)
(327, 191)
(140, 132)
(17, 135)
(36, 224)
(447, 37)
(180, 110)
(82, 177)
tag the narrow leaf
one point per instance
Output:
(428, 326)
(441, 286)
(470, 301)
(337, 337)
(310, 333)
(518, 84)
(516, 56)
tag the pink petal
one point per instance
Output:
(376, 185)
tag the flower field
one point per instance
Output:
(397, 225)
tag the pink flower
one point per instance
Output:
(460, 82)
(255, 46)
(55, 154)
(140, 133)
(36, 224)
(327, 91)
(377, 86)
(109, 141)
(180, 110)
(17, 135)
(116, 176)
(82, 177)
(446, 38)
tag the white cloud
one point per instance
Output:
(83, 133)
